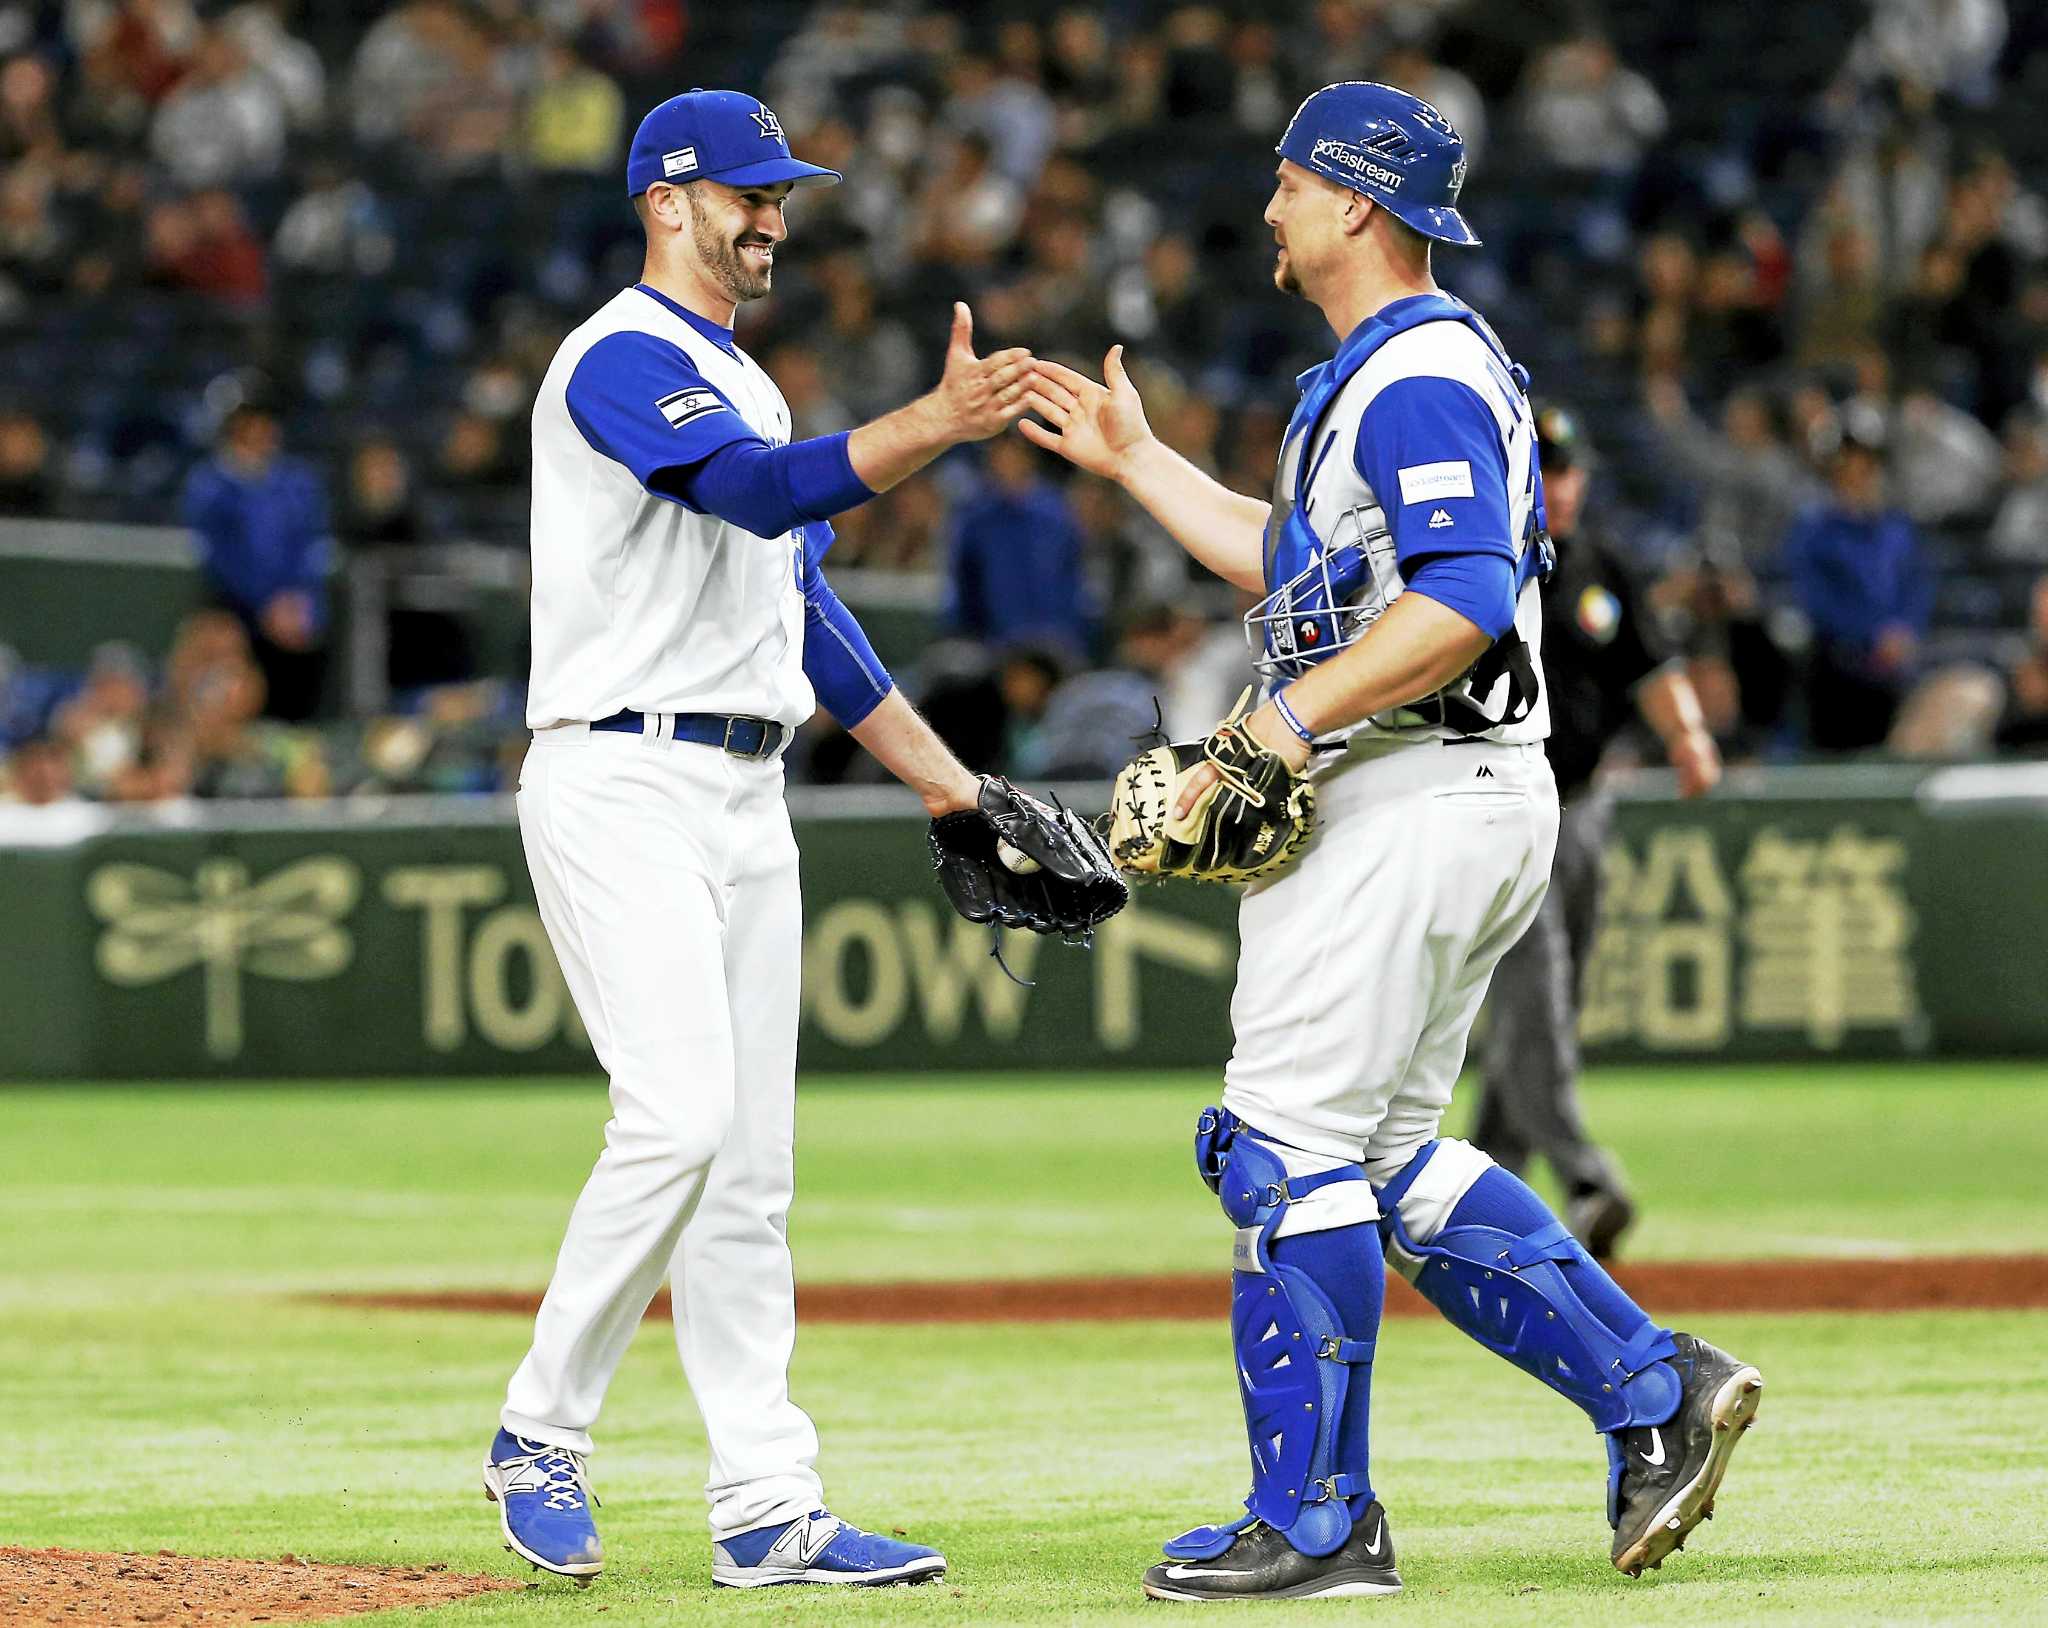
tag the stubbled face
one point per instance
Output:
(1307, 216)
(735, 232)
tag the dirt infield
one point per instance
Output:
(68, 1586)
(1952, 1283)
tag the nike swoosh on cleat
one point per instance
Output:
(1656, 1441)
(1182, 1573)
(1373, 1548)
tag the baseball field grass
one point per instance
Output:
(173, 1376)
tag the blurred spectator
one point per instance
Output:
(2023, 723)
(101, 727)
(28, 109)
(225, 123)
(1006, 107)
(34, 246)
(378, 504)
(28, 487)
(1945, 45)
(968, 210)
(1585, 113)
(1094, 722)
(335, 228)
(292, 66)
(574, 115)
(260, 518)
(113, 253)
(37, 774)
(135, 51)
(1751, 484)
(1857, 572)
(1013, 564)
(2020, 532)
(1945, 465)
(203, 244)
(406, 59)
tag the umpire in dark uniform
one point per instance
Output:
(1604, 663)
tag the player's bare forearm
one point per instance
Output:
(899, 739)
(1414, 650)
(1223, 529)
(976, 397)
(1102, 428)
(1671, 706)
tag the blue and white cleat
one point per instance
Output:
(543, 1497)
(820, 1548)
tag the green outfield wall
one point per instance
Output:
(1800, 913)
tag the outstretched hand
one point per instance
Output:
(979, 395)
(1093, 426)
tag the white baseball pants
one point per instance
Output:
(1361, 968)
(666, 874)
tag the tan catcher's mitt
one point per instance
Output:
(1250, 823)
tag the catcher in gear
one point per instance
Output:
(1398, 628)
(1221, 809)
(1012, 861)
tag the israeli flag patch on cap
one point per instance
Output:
(680, 162)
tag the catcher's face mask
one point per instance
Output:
(1315, 612)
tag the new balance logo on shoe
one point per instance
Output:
(1440, 519)
(1656, 1441)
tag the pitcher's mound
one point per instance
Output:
(67, 1586)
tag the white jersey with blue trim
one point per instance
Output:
(1449, 482)
(642, 602)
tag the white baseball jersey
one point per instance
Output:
(1433, 490)
(638, 601)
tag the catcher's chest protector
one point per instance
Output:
(1330, 558)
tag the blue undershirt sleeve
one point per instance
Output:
(640, 401)
(769, 490)
(842, 666)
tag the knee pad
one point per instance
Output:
(1425, 1189)
(1293, 1355)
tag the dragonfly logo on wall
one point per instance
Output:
(286, 926)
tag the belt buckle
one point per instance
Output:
(761, 750)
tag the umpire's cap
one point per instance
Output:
(1393, 147)
(722, 135)
(1561, 443)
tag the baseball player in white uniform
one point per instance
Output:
(681, 629)
(1399, 640)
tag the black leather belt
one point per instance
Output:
(743, 737)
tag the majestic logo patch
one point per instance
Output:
(771, 126)
(1345, 155)
(1440, 519)
(680, 162)
(685, 405)
(1422, 483)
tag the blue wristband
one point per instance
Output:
(1307, 735)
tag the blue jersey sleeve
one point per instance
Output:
(641, 402)
(1431, 451)
(838, 660)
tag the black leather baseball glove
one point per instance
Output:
(1016, 862)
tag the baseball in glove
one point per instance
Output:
(1013, 861)
(1250, 823)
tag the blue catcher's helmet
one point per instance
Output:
(1392, 147)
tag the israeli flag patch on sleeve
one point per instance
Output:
(685, 405)
(1425, 483)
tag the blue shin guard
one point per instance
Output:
(1508, 1273)
(1304, 1310)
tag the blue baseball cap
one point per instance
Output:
(1393, 147)
(719, 135)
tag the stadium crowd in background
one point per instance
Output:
(1791, 276)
